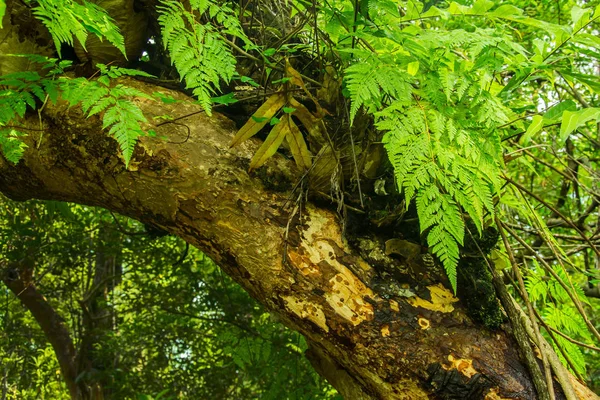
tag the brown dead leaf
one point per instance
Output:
(271, 143)
(265, 113)
(296, 79)
(298, 147)
(312, 124)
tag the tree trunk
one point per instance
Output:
(294, 260)
(17, 277)
(99, 318)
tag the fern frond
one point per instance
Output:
(66, 19)
(369, 80)
(114, 72)
(574, 353)
(12, 146)
(123, 120)
(121, 116)
(198, 50)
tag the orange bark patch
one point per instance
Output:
(322, 240)
(463, 365)
(346, 298)
(441, 300)
(424, 323)
(304, 264)
(385, 330)
(304, 309)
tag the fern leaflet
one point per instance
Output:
(66, 19)
(198, 50)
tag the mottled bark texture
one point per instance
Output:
(296, 262)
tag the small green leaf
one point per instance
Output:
(537, 123)
(576, 14)
(555, 112)
(248, 80)
(259, 119)
(274, 121)
(2, 11)
(282, 80)
(288, 110)
(228, 98)
(573, 120)
(413, 68)
(269, 52)
(165, 98)
(568, 124)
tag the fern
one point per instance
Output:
(198, 50)
(12, 146)
(566, 319)
(439, 129)
(368, 82)
(66, 19)
(121, 117)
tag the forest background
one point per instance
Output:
(378, 174)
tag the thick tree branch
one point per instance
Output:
(395, 347)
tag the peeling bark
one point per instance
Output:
(296, 262)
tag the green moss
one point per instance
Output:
(476, 290)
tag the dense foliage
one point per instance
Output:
(488, 112)
(149, 315)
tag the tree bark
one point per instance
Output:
(294, 260)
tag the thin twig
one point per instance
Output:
(537, 335)
(551, 271)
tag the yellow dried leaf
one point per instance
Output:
(298, 147)
(296, 79)
(271, 144)
(294, 75)
(265, 113)
(312, 124)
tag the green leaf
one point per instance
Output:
(166, 99)
(413, 68)
(577, 12)
(282, 80)
(269, 52)
(260, 119)
(228, 98)
(573, 120)
(2, 11)
(537, 123)
(288, 110)
(555, 112)
(248, 80)
(506, 10)
(482, 6)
